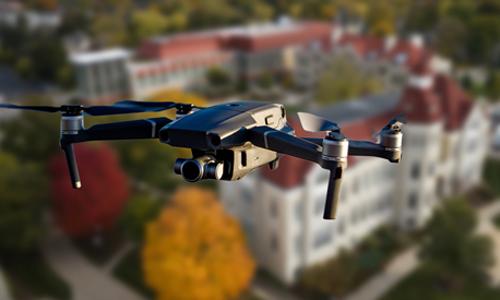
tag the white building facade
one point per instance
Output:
(445, 145)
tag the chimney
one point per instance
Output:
(389, 42)
(421, 76)
(416, 40)
(337, 33)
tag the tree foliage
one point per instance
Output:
(344, 80)
(98, 204)
(23, 190)
(140, 210)
(452, 249)
(35, 54)
(198, 248)
(32, 136)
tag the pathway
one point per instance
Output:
(86, 280)
(487, 228)
(401, 266)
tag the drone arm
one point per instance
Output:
(284, 143)
(127, 130)
(366, 148)
(138, 129)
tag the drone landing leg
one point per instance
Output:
(333, 194)
(72, 165)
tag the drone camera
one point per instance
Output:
(205, 167)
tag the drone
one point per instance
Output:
(227, 140)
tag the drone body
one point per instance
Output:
(227, 140)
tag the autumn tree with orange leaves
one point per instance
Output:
(194, 250)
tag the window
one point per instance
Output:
(274, 209)
(323, 237)
(410, 223)
(319, 205)
(415, 170)
(274, 242)
(340, 226)
(413, 201)
(246, 194)
(299, 210)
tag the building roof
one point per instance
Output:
(254, 37)
(259, 39)
(99, 56)
(455, 103)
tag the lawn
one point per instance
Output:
(348, 270)
(130, 272)
(422, 284)
(32, 277)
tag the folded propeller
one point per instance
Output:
(121, 107)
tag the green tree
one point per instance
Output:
(452, 250)
(493, 85)
(218, 77)
(32, 136)
(23, 189)
(149, 162)
(148, 22)
(344, 80)
(451, 32)
(139, 210)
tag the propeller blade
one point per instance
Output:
(313, 123)
(28, 107)
(394, 125)
(122, 107)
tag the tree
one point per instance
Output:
(148, 22)
(32, 136)
(452, 251)
(98, 204)
(218, 77)
(493, 85)
(139, 210)
(344, 80)
(194, 250)
(23, 190)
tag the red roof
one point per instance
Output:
(420, 105)
(187, 44)
(363, 45)
(413, 54)
(455, 103)
(302, 33)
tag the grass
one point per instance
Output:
(30, 275)
(423, 284)
(348, 270)
(130, 272)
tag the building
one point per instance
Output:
(182, 60)
(179, 61)
(444, 151)
(101, 76)
(12, 13)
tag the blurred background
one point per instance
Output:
(428, 227)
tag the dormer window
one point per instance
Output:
(400, 58)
